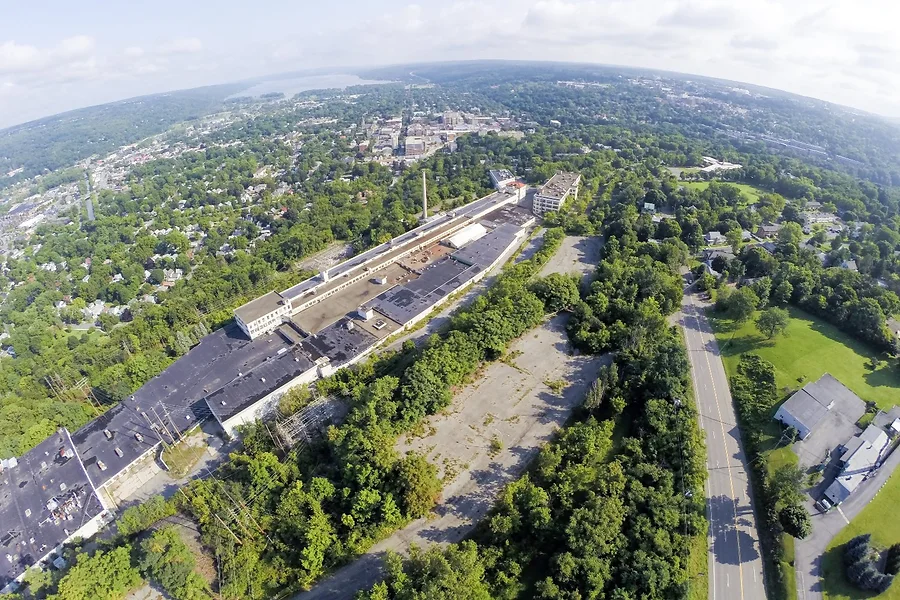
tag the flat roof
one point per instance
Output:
(44, 499)
(177, 392)
(438, 226)
(249, 388)
(559, 185)
(339, 343)
(484, 251)
(259, 307)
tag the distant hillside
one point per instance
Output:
(60, 140)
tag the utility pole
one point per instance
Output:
(424, 198)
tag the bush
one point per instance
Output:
(893, 560)
(795, 521)
(139, 518)
(855, 553)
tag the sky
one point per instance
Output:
(58, 55)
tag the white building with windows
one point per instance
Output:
(556, 192)
(262, 315)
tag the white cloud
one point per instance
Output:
(190, 45)
(831, 49)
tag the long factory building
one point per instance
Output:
(70, 485)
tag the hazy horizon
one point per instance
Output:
(89, 54)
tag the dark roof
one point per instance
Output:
(339, 343)
(484, 251)
(259, 307)
(251, 387)
(43, 500)
(403, 303)
(177, 396)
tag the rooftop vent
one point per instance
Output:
(63, 486)
(27, 512)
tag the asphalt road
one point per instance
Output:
(808, 552)
(735, 563)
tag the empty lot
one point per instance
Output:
(509, 401)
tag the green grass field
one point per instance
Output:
(750, 192)
(808, 349)
(885, 531)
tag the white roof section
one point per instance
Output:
(466, 235)
(860, 456)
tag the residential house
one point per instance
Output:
(768, 230)
(714, 238)
(807, 407)
(860, 457)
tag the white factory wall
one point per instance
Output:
(267, 404)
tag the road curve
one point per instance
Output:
(735, 562)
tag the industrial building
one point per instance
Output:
(554, 194)
(46, 499)
(238, 374)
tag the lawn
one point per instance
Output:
(750, 192)
(808, 349)
(698, 565)
(182, 457)
(885, 531)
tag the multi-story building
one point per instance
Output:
(414, 145)
(555, 192)
(262, 315)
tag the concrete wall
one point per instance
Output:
(788, 419)
(266, 405)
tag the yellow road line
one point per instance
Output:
(724, 445)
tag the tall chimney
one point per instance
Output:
(424, 198)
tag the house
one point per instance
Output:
(714, 238)
(850, 265)
(860, 456)
(768, 231)
(649, 208)
(810, 405)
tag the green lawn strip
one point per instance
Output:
(877, 518)
(698, 567)
(809, 348)
(750, 192)
(181, 458)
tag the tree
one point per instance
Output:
(741, 304)
(166, 559)
(795, 520)
(101, 576)
(772, 322)
(557, 291)
(790, 234)
(419, 485)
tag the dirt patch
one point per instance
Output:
(484, 440)
(577, 254)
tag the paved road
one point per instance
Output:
(735, 563)
(808, 553)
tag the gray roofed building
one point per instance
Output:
(807, 407)
(243, 399)
(46, 499)
(861, 455)
(263, 314)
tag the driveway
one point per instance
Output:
(808, 553)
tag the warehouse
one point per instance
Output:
(255, 395)
(46, 499)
